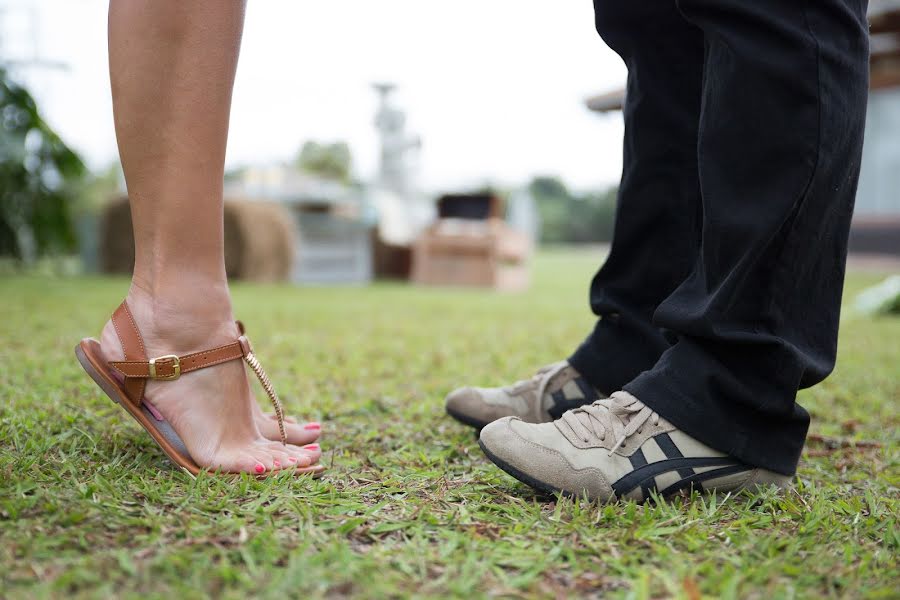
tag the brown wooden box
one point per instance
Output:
(466, 252)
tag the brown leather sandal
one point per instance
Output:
(124, 382)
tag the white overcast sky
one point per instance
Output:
(495, 88)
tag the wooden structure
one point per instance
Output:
(884, 28)
(876, 217)
(390, 261)
(470, 245)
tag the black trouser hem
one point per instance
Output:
(618, 350)
(772, 442)
(680, 392)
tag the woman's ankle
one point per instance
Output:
(190, 316)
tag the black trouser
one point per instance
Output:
(743, 134)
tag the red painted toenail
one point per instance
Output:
(311, 447)
(259, 468)
(276, 463)
(292, 459)
(312, 425)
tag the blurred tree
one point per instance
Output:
(594, 216)
(38, 175)
(235, 174)
(573, 218)
(552, 198)
(549, 187)
(332, 161)
(99, 187)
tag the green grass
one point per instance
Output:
(89, 507)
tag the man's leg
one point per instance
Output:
(657, 231)
(779, 144)
(780, 141)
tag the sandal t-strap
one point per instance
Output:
(137, 369)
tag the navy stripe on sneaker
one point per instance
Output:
(669, 448)
(695, 480)
(649, 472)
(638, 460)
(561, 404)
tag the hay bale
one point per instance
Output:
(259, 240)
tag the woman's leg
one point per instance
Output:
(172, 67)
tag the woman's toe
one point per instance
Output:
(302, 434)
(282, 459)
(301, 457)
(244, 462)
(299, 434)
(265, 458)
(313, 451)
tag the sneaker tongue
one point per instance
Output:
(623, 398)
(629, 409)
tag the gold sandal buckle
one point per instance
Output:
(176, 367)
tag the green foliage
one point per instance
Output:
(573, 218)
(96, 190)
(37, 176)
(331, 161)
(91, 508)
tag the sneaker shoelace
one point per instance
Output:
(621, 415)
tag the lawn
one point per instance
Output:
(89, 507)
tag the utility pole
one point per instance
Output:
(397, 146)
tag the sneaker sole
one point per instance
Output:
(551, 489)
(526, 479)
(467, 420)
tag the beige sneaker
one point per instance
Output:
(615, 449)
(553, 390)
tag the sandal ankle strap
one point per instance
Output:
(170, 366)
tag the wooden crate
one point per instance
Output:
(469, 252)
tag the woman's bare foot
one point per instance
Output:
(212, 409)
